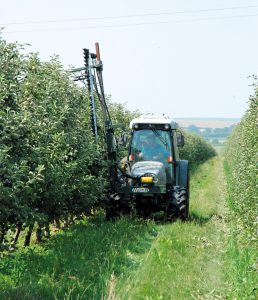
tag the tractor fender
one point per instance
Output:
(182, 170)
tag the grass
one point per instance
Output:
(130, 258)
(185, 260)
(76, 264)
(241, 271)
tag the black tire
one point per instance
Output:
(184, 206)
(179, 206)
(188, 194)
(184, 213)
(112, 207)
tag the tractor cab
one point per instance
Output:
(152, 144)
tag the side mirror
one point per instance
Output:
(180, 140)
(122, 140)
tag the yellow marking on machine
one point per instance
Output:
(146, 179)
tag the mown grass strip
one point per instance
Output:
(76, 264)
(185, 261)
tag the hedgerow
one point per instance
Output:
(241, 168)
(196, 150)
(47, 151)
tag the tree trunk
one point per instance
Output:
(39, 234)
(17, 234)
(28, 235)
(57, 223)
(3, 230)
(47, 231)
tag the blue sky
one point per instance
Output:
(184, 58)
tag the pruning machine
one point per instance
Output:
(152, 177)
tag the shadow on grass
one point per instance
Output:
(78, 263)
(200, 219)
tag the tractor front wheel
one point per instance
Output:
(112, 207)
(179, 206)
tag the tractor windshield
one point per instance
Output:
(150, 145)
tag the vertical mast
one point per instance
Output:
(94, 66)
(90, 85)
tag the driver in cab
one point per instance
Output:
(152, 149)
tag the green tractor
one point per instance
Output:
(152, 177)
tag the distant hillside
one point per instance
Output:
(214, 130)
(207, 122)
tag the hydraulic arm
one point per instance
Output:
(93, 74)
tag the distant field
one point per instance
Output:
(206, 122)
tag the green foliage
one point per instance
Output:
(196, 149)
(241, 169)
(47, 152)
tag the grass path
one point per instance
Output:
(185, 260)
(131, 258)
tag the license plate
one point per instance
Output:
(140, 190)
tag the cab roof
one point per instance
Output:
(154, 120)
